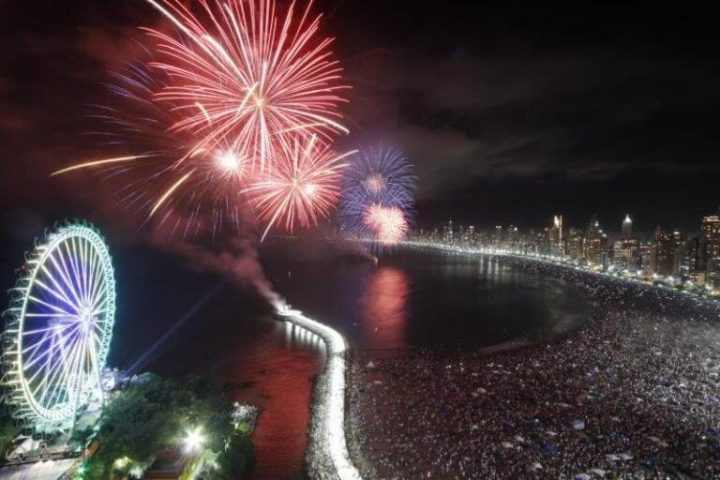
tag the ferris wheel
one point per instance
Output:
(58, 328)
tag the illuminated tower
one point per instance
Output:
(627, 227)
(595, 244)
(448, 232)
(626, 251)
(555, 234)
(711, 249)
(558, 223)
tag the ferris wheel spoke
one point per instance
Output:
(93, 364)
(99, 298)
(53, 328)
(69, 375)
(50, 371)
(50, 306)
(32, 350)
(38, 355)
(86, 258)
(69, 378)
(99, 332)
(56, 283)
(99, 295)
(89, 267)
(93, 280)
(55, 293)
(86, 367)
(48, 368)
(83, 259)
(51, 383)
(97, 340)
(56, 346)
(60, 377)
(97, 271)
(49, 315)
(63, 271)
(72, 252)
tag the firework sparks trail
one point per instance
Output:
(186, 189)
(302, 188)
(243, 72)
(169, 192)
(98, 163)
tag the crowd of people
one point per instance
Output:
(634, 393)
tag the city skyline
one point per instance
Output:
(668, 255)
(646, 229)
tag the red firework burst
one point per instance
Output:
(162, 176)
(244, 73)
(388, 223)
(247, 102)
(302, 187)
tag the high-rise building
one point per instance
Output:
(448, 232)
(471, 237)
(575, 245)
(667, 252)
(692, 261)
(513, 238)
(498, 236)
(648, 263)
(595, 244)
(710, 245)
(555, 236)
(627, 227)
(626, 251)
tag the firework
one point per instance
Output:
(387, 223)
(242, 101)
(245, 74)
(182, 189)
(363, 213)
(379, 168)
(302, 188)
(377, 198)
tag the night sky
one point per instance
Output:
(511, 110)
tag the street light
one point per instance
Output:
(194, 440)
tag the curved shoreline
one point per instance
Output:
(556, 262)
(328, 456)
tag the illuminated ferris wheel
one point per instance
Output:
(58, 328)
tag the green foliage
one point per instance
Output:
(235, 462)
(155, 413)
(244, 427)
(8, 430)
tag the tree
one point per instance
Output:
(155, 413)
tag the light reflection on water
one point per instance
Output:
(280, 371)
(413, 299)
(384, 308)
